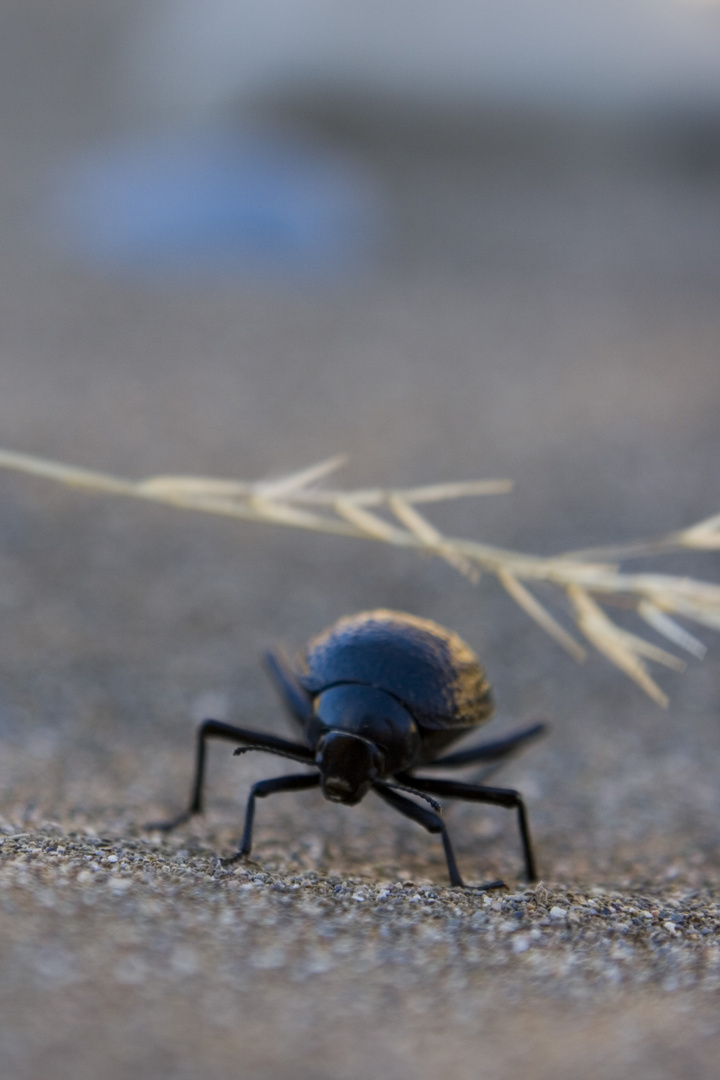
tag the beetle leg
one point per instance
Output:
(508, 797)
(296, 782)
(295, 698)
(257, 740)
(492, 752)
(434, 824)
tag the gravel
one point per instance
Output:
(341, 974)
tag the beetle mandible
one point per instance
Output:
(376, 696)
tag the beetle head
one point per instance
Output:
(348, 765)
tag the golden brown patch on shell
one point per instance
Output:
(470, 689)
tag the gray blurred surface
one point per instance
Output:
(546, 308)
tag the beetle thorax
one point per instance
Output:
(361, 734)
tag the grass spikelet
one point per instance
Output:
(391, 516)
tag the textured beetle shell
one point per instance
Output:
(428, 668)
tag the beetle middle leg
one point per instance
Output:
(508, 797)
(255, 740)
(434, 824)
(295, 782)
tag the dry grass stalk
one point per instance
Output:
(391, 516)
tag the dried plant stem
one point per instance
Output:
(391, 516)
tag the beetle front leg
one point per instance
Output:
(295, 782)
(507, 797)
(434, 824)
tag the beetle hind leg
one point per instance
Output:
(494, 753)
(294, 697)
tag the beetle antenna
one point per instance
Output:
(420, 794)
(267, 750)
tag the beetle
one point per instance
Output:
(376, 696)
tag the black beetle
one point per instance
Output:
(376, 696)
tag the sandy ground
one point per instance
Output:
(544, 309)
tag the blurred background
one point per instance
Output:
(228, 136)
(186, 57)
(452, 240)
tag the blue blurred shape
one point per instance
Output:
(260, 202)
